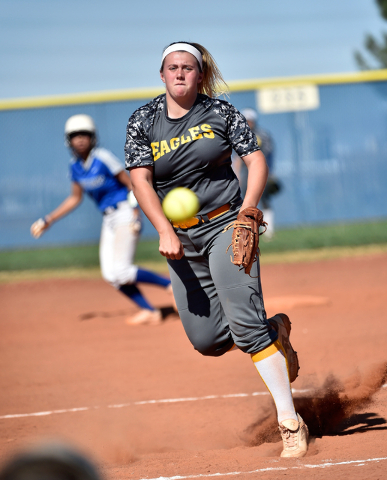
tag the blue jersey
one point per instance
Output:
(97, 177)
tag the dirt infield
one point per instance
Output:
(141, 403)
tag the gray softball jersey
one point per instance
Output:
(193, 151)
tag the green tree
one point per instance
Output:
(375, 48)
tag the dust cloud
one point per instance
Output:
(329, 409)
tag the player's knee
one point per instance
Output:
(207, 335)
(210, 347)
(114, 284)
(127, 274)
(120, 276)
(113, 281)
(109, 278)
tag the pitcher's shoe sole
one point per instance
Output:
(282, 325)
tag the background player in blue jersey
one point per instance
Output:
(97, 172)
(185, 138)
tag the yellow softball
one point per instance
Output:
(180, 204)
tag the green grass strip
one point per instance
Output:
(285, 240)
(340, 235)
(295, 256)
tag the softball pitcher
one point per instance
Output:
(185, 138)
(99, 173)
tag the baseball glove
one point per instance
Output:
(38, 227)
(245, 237)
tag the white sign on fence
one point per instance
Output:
(288, 99)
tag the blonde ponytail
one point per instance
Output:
(213, 83)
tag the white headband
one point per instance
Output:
(185, 47)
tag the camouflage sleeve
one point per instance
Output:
(138, 150)
(238, 132)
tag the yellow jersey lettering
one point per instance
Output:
(195, 135)
(207, 128)
(175, 142)
(155, 150)
(164, 148)
(185, 140)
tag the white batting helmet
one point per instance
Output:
(79, 123)
(250, 114)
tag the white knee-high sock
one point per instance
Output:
(272, 367)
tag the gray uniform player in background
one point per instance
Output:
(185, 138)
(273, 186)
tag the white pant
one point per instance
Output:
(119, 236)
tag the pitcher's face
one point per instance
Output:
(181, 74)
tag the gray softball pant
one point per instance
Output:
(219, 305)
